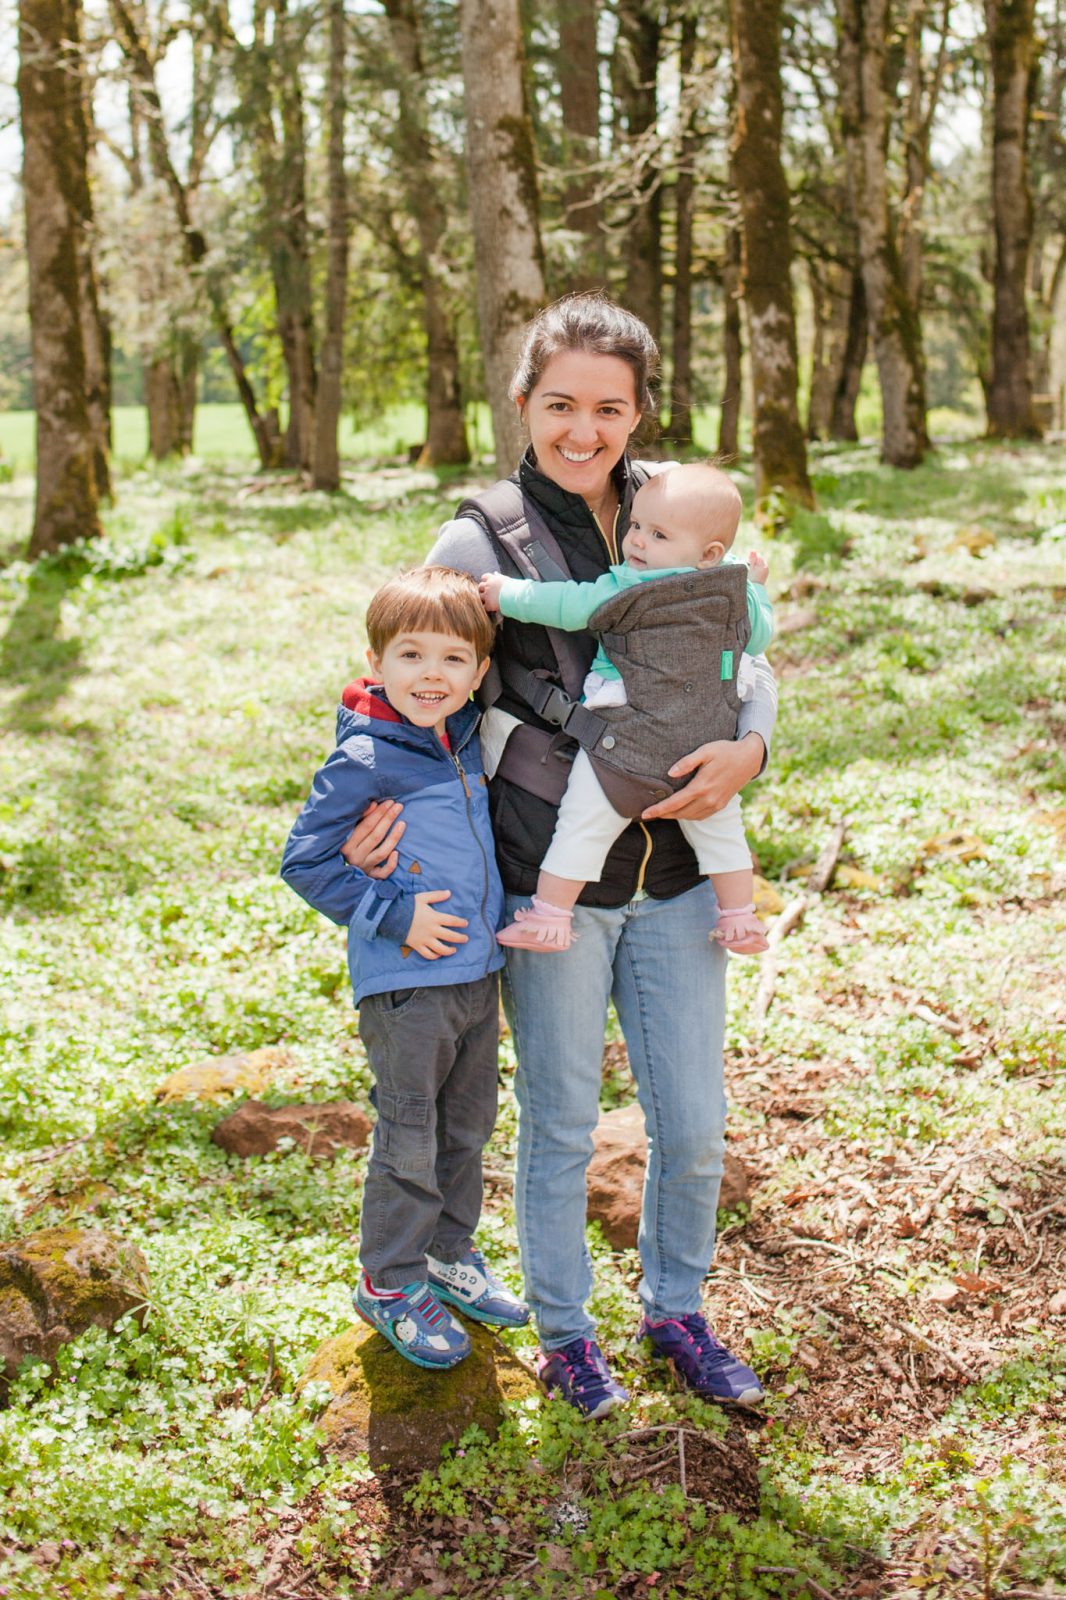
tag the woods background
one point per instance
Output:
(319, 209)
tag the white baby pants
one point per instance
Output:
(588, 825)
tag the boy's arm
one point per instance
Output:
(555, 605)
(313, 865)
(761, 617)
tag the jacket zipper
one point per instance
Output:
(453, 757)
(649, 843)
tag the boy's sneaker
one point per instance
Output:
(414, 1322)
(701, 1361)
(580, 1375)
(471, 1284)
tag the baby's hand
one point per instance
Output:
(489, 590)
(758, 567)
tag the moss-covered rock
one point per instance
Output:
(56, 1283)
(402, 1415)
(220, 1077)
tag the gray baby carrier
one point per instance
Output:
(677, 643)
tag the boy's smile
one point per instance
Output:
(428, 676)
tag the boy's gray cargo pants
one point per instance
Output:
(433, 1055)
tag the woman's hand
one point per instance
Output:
(433, 933)
(371, 846)
(721, 771)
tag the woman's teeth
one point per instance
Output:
(577, 456)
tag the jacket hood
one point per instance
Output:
(364, 705)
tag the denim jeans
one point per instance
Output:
(433, 1055)
(668, 984)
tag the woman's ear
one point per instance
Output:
(635, 424)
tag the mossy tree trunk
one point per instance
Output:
(780, 449)
(895, 329)
(1013, 54)
(842, 423)
(578, 68)
(732, 348)
(66, 507)
(420, 167)
(680, 429)
(636, 71)
(326, 459)
(96, 334)
(503, 202)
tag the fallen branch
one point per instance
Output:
(790, 918)
(943, 1188)
(681, 1461)
(911, 1332)
(794, 1572)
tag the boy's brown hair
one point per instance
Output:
(430, 600)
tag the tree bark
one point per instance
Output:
(194, 245)
(503, 202)
(326, 471)
(66, 507)
(579, 101)
(170, 398)
(680, 429)
(780, 450)
(637, 68)
(1013, 55)
(732, 351)
(894, 326)
(290, 250)
(842, 423)
(446, 441)
(95, 332)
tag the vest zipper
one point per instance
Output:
(453, 757)
(612, 542)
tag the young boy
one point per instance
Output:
(423, 957)
(682, 520)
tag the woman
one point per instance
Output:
(582, 383)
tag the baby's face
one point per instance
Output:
(669, 530)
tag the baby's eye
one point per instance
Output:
(657, 533)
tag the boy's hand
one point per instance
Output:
(758, 567)
(433, 933)
(371, 846)
(489, 590)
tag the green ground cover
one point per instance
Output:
(897, 1280)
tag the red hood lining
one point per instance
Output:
(359, 696)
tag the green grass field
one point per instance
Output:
(897, 1279)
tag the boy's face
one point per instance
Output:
(428, 676)
(670, 529)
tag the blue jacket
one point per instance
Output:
(447, 844)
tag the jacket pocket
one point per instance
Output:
(403, 1131)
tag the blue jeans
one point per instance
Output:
(668, 984)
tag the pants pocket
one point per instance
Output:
(403, 1131)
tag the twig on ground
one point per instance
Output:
(795, 1240)
(943, 1188)
(926, 1343)
(790, 917)
(794, 1572)
(681, 1461)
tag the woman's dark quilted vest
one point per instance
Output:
(522, 823)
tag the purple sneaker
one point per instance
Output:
(701, 1361)
(580, 1375)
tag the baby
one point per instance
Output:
(683, 519)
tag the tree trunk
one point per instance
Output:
(578, 69)
(326, 466)
(1013, 57)
(637, 68)
(780, 450)
(95, 333)
(503, 202)
(170, 397)
(842, 421)
(680, 430)
(66, 507)
(894, 325)
(732, 351)
(290, 252)
(194, 245)
(445, 424)
(830, 285)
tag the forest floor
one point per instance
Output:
(900, 1279)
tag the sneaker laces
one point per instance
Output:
(713, 1354)
(580, 1357)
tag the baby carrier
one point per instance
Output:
(677, 643)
